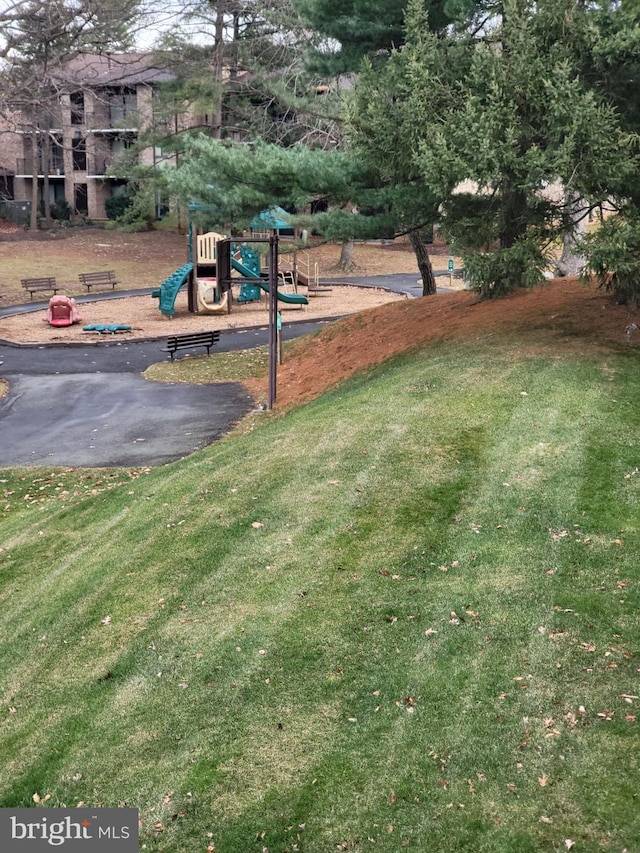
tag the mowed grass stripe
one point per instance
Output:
(381, 657)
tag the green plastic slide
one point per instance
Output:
(169, 288)
(245, 272)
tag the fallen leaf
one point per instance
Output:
(568, 843)
(106, 620)
(256, 524)
(543, 780)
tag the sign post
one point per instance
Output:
(450, 271)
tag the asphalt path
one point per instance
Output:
(89, 406)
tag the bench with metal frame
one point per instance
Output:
(37, 285)
(98, 279)
(190, 340)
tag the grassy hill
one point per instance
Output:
(403, 616)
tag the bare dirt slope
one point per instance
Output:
(561, 317)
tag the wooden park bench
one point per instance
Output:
(35, 285)
(190, 340)
(98, 279)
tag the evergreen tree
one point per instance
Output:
(510, 113)
(612, 65)
(356, 29)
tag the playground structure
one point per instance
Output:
(62, 311)
(246, 262)
(210, 297)
(168, 290)
(216, 264)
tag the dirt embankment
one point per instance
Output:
(561, 317)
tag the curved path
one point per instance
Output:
(89, 406)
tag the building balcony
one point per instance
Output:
(24, 168)
(110, 121)
(97, 167)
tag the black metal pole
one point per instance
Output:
(273, 318)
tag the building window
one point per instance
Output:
(123, 107)
(80, 199)
(77, 107)
(79, 149)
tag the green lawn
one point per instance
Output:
(404, 616)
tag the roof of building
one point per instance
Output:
(114, 69)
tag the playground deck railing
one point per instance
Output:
(206, 247)
(304, 263)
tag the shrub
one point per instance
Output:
(61, 210)
(497, 273)
(117, 205)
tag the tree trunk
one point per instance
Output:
(419, 246)
(346, 262)
(513, 219)
(46, 159)
(33, 225)
(218, 66)
(572, 260)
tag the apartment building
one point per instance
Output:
(100, 105)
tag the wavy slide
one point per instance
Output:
(169, 288)
(246, 272)
(206, 297)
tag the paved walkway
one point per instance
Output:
(89, 406)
